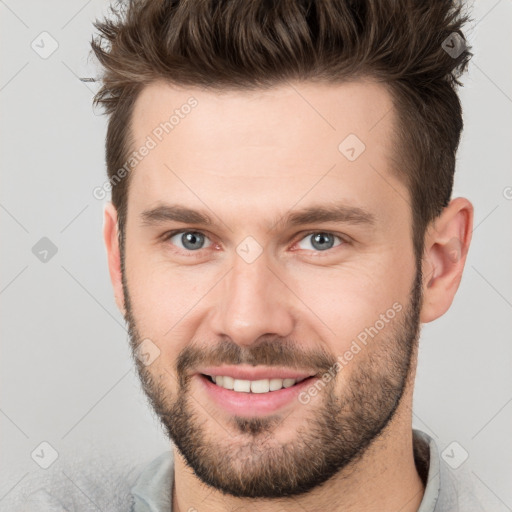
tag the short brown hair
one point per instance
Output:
(251, 44)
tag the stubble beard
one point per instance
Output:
(244, 458)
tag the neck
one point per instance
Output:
(383, 479)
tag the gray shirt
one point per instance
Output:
(111, 484)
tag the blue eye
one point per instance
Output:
(190, 240)
(321, 241)
(193, 241)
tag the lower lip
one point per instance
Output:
(254, 404)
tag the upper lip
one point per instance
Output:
(256, 372)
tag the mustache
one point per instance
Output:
(270, 351)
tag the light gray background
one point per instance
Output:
(66, 373)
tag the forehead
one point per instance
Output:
(294, 142)
(284, 115)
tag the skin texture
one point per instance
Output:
(247, 159)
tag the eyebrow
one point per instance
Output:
(310, 215)
(331, 213)
(177, 213)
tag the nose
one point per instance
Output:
(253, 301)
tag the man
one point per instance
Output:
(281, 225)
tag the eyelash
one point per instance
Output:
(343, 239)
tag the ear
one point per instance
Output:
(447, 242)
(111, 239)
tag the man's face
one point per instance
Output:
(332, 299)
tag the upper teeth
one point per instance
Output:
(254, 386)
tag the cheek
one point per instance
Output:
(163, 296)
(353, 298)
(148, 289)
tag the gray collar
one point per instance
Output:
(426, 457)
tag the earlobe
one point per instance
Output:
(446, 246)
(111, 239)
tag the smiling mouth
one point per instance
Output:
(253, 386)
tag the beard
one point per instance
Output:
(336, 428)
